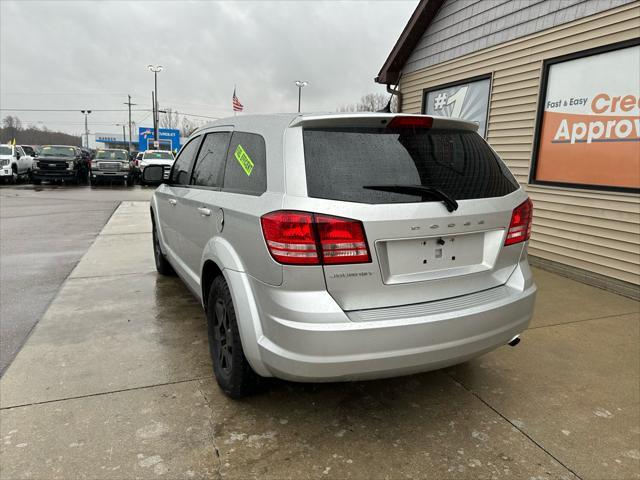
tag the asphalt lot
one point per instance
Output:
(44, 231)
(115, 382)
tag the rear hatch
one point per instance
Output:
(434, 200)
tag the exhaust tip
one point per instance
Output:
(514, 341)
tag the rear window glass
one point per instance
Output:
(340, 162)
(246, 167)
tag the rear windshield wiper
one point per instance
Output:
(421, 190)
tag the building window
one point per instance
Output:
(467, 99)
(588, 125)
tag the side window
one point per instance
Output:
(182, 165)
(246, 168)
(209, 168)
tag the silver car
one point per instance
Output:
(343, 247)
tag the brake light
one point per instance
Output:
(290, 237)
(520, 225)
(303, 238)
(411, 122)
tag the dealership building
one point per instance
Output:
(555, 89)
(168, 139)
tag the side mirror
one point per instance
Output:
(18, 155)
(153, 174)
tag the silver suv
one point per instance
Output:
(341, 247)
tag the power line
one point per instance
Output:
(97, 110)
(66, 110)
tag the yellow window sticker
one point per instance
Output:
(244, 160)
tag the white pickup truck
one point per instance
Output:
(14, 163)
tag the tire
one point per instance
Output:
(36, 181)
(233, 373)
(162, 264)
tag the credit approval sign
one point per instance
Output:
(590, 129)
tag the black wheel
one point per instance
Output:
(162, 264)
(36, 181)
(233, 373)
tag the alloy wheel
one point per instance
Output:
(223, 336)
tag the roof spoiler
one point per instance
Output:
(379, 120)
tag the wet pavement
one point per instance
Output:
(115, 382)
(44, 231)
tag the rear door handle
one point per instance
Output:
(173, 202)
(205, 212)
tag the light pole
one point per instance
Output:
(155, 69)
(300, 84)
(86, 125)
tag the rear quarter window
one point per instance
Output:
(340, 162)
(246, 167)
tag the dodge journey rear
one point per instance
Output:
(341, 247)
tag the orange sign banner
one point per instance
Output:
(589, 149)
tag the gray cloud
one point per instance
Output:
(90, 54)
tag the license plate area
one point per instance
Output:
(437, 257)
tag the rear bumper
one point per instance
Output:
(294, 349)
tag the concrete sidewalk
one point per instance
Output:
(115, 382)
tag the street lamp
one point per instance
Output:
(86, 125)
(300, 84)
(155, 69)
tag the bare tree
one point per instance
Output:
(372, 102)
(188, 126)
(171, 119)
(11, 122)
(32, 135)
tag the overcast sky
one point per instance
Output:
(91, 54)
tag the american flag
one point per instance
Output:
(237, 106)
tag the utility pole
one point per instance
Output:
(86, 125)
(130, 105)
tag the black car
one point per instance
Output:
(60, 162)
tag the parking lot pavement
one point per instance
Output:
(44, 231)
(115, 382)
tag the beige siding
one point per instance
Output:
(594, 231)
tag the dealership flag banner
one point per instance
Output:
(590, 132)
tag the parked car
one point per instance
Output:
(343, 247)
(58, 163)
(156, 157)
(111, 165)
(15, 163)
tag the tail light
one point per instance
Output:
(520, 225)
(303, 238)
(411, 122)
